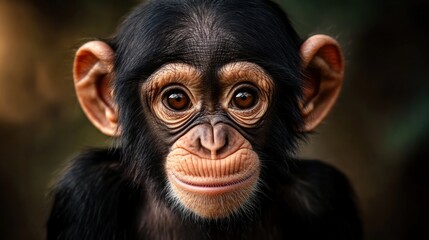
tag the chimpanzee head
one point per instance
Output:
(208, 98)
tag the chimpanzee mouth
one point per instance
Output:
(215, 186)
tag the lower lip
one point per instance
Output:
(214, 190)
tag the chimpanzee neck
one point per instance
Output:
(157, 220)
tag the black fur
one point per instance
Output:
(120, 193)
(95, 200)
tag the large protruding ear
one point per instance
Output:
(92, 73)
(323, 66)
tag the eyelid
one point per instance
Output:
(248, 117)
(172, 87)
(240, 86)
(172, 74)
(245, 71)
(174, 119)
(169, 88)
(245, 84)
(166, 100)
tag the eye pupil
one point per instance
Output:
(244, 99)
(177, 100)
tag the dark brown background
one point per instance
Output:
(378, 133)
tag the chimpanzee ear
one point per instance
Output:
(92, 73)
(323, 66)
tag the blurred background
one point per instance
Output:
(378, 133)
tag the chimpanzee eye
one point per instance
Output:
(244, 98)
(176, 100)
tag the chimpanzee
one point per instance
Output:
(208, 100)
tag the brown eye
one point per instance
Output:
(244, 98)
(177, 100)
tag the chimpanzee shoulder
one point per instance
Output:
(317, 200)
(93, 199)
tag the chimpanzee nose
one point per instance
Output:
(214, 139)
(214, 142)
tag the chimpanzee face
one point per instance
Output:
(207, 103)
